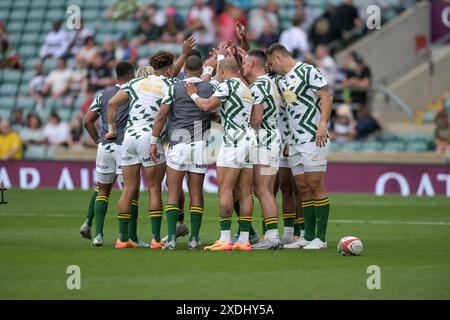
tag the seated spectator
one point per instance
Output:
(325, 63)
(18, 121)
(146, 32)
(76, 131)
(78, 39)
(89, 95)
(226, 24)
(122, 10)
(326, 28)
(201, 23)
(125, 51)
(8, 55)
(108, 52)
(78, 79)
(347, 15)
(58, 81)
(37, 85)
(55, 131)
(268, 35)
(173, 28)
(56, 43)
(3, 33)
(442, 132)
(366, 124)
(358, 78)
(10, 143)
(295, 39)
(87, 52)
(99, 75)
(343, 126)
(32, 135)
(307, 13)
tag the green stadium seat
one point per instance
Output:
(14, 27)
(35, 152)
(53, 15)
(11, 76)
(65, 114)
(393, 146)
(91, 15)
(31, 38)
(6, 4)
(48, 104)
(29, 63)
(21, 4)
(37, 14)
(27, 51)
(8, 90)
(25, 103)
(18, 15)
(27, 75)
(4, 114)
(24, 89)
(4, 14)
(50, 64)
(39, 4)
(8, 103)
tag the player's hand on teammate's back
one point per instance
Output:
(154, 152)
(321, 136)
(286, 151)
(191, 88)
(111, 136)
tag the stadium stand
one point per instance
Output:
(27, 24)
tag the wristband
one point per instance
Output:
(194, 96)
(111, 127)
(154, 140)
(220, 57)
(208, 70)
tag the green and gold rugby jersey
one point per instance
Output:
(299, 87)
(265, 92)
(146, 95)
(235, 111)
(283, 121)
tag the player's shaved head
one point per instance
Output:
(193, 63)
(278, 48)
(229, 64)
(259, 56)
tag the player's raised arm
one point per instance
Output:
(206, 104)
(241, 33)
(188, 44)
(120, 98)
(158, 126)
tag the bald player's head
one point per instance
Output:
(228, 68)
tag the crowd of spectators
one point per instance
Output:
(310, 38)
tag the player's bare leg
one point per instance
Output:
(175, 189)
(244, 188)
(315, 204)
(288, 203)
(100, 209)
(154, 176)
(299, 223)
(227, 179)
(196, 206)
(131, 182)
(264, 183)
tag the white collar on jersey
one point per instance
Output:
(193, 79)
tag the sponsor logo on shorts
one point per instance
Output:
(102, 167)
(201, 166)
(126, 158)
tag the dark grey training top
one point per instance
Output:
(187, 122)
(100, 106)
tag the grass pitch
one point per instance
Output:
(408, 238)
